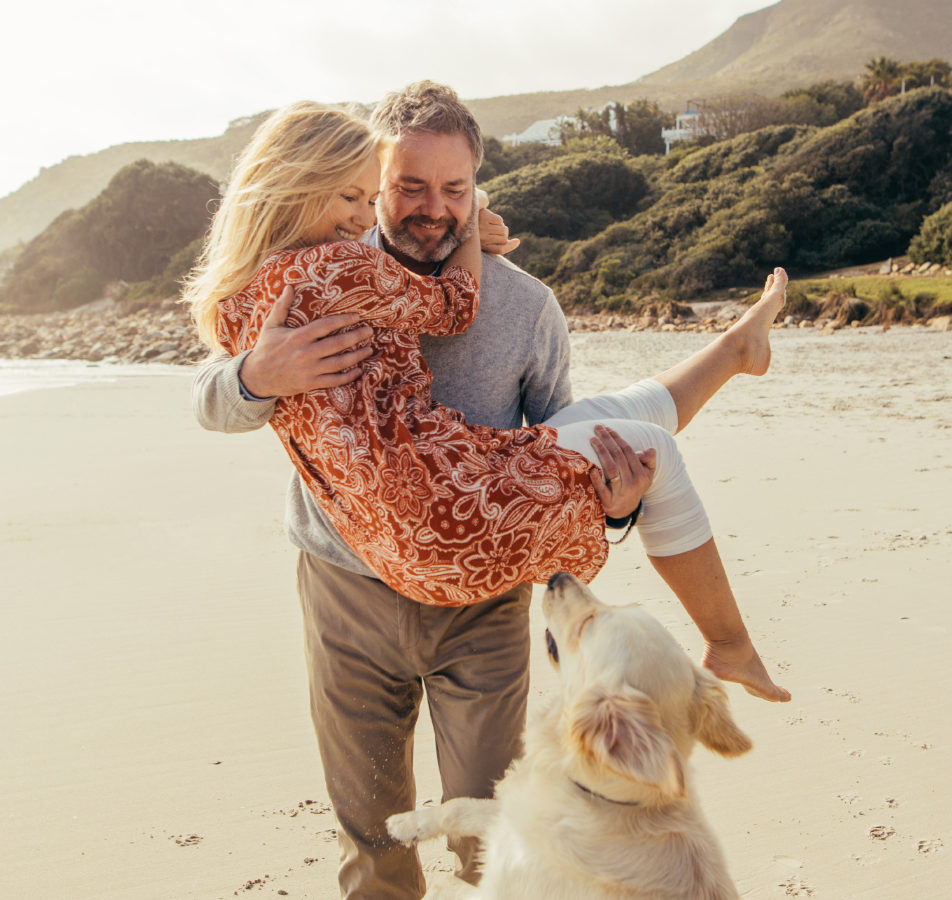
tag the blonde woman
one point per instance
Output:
(446, 513)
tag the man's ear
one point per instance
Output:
(621, 733)
(711, 718)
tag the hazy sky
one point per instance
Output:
(79, 77)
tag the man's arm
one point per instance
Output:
(237, 394)
(218, 402)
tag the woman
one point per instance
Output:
(443, 512)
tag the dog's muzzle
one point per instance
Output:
(557, 579)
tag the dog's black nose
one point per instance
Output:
(558, 577)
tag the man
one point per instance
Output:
(371, 652)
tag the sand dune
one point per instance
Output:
(156, 736)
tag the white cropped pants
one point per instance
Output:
(673, 519)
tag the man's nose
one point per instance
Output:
(432, 205)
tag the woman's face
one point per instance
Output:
(351, 212)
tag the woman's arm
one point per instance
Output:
(347, 277)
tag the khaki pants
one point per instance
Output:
(370, 654)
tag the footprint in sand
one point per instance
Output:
(932, 846)
(881, 832)
(186, 840)
(794, 887)
(792, 884)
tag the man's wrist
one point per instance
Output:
(245, 393)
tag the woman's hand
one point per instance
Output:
(625, 476)
(493, 230)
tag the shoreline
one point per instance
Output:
(18, 374)
(104, 332)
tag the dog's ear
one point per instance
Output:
(621, 733)
(711, 718)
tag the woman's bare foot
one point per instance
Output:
(752, 332)
(739, 661)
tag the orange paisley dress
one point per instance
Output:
(444, 512)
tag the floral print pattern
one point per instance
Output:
(444, 512)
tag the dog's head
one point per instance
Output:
(633, 703)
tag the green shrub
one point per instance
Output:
(933, 243)
(570, 197)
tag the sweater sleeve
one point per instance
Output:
(217, 401)
(546, 385)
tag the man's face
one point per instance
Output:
(427, 203)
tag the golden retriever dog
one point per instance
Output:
(601, 805)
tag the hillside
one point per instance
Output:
(78, 179)
(812, 199)
(773, 49)
(792, 43)
(146, 217)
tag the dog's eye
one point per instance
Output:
(551, 646)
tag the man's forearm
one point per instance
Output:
(218, 402)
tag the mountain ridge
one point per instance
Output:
(789, 44)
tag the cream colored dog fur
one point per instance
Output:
(601, 804)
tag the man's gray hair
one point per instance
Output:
(426, 107)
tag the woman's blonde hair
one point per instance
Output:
(287, 176)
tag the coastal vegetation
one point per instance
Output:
(813, 198)
(846, 174)
(143, 229)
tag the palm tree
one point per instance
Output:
(883, 77)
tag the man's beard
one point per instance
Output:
(399, 237)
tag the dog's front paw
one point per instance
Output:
(418, 825)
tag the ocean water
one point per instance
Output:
(17, 375)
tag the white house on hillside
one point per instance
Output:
(544, 131)
(687, 127)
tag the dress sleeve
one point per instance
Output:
(346, 276)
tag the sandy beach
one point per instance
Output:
(156, 738)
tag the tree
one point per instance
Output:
(725, 117)
(883, 78)
(569, 197)
(823, 103)
(931, 73)
(498, 159)
(636, 127)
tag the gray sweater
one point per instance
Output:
(511, 366)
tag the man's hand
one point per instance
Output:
(627, 473)
(288, 361)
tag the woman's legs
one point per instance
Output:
(673, 398)
(646, 401)
(699, 581)
(743, 349)
(675, 531)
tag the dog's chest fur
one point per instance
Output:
(549, 839)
